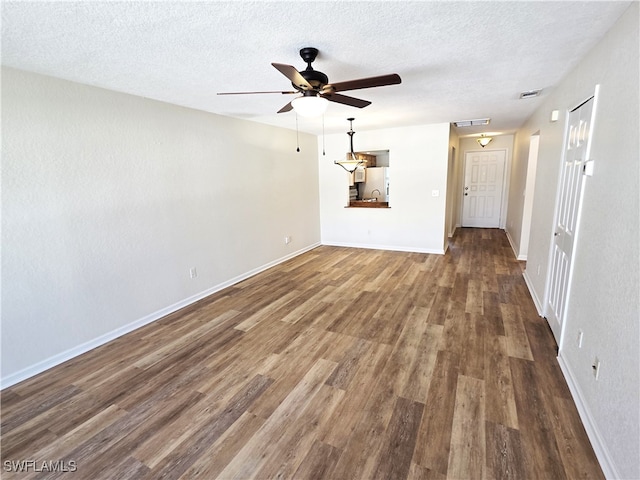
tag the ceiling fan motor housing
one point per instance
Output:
(315, 78)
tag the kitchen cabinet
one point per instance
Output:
(370, 159)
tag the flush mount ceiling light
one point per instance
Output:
(484, 140)
(472, 123)
(310, 105)
(530, 94)
(352, 162)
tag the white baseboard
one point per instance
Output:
(597, 442)
(62, 357)
(532, 292)
(514, 248)
(386, 247)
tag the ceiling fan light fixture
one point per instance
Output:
(317, 91)
(310, 105)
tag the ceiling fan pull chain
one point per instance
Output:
(323, 152)
(297, 135)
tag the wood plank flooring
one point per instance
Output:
(339, 364)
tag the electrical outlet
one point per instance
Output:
(193, 273)
(596, 368)
(287, 240)
(579, 338)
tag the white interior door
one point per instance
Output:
(483, 184)
(568, 214)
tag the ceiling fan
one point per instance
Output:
(313, 84)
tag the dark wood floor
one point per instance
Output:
(340, 364)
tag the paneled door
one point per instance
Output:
(483, 185)
(568, 214)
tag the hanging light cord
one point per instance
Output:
(297, 136)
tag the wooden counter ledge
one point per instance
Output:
(363, 204)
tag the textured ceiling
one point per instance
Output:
(457, 60)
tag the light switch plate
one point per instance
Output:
(587, 169)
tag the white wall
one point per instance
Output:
(417, 165)
(109, 199)
(605, 296)
(521, 193)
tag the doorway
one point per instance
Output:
(483, 188)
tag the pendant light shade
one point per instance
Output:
(484, 141)
(351, 163)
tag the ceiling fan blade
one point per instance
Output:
(380, 81)
(345, 100)
(252, 93)
(287, 108)
(292, 74)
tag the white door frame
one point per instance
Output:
(505, 179)
(527, 207)
(452, 193)
(560, 335)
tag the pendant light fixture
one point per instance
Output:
(484, 141)
(352, 162)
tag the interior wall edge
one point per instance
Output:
(514, 247)
(532, 292)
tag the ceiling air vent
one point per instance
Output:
(530, 94)
(472, 123)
